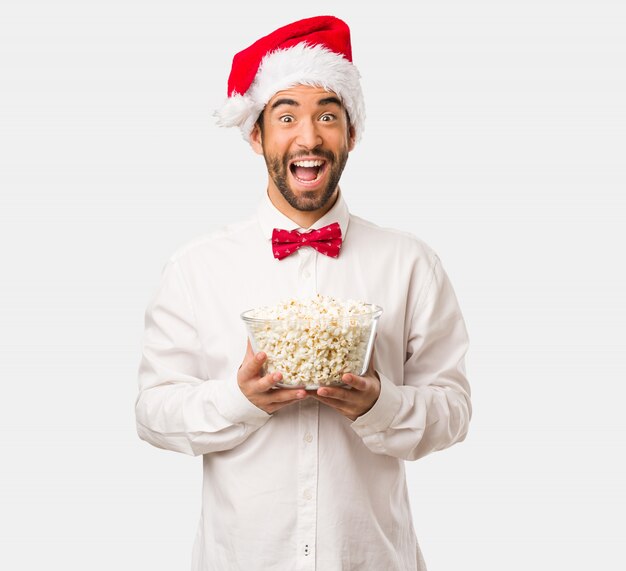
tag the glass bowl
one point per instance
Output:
(314, 352)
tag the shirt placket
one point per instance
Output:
(307, 484)
(307, 437)
(307, 278)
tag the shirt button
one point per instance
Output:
(308, 495)
(306, 274)
(308, 437)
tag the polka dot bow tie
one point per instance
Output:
(326, 240)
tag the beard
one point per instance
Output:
(308, 200)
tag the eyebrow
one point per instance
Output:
(294, 103)
(284, 101)
(329, 101)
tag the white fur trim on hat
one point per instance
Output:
(299, 65)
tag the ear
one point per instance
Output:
(351, 137)
(256, 140)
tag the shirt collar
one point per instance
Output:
(270, 217)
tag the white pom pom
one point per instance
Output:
(234, 111)
(239, 111)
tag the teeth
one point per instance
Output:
(308, 164)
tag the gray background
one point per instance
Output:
(496, 132)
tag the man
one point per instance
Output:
(297, 479)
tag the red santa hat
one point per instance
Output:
(315, 51)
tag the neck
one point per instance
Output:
(303, 218)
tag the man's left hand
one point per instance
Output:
(355, 401)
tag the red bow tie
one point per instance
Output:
(326, 240)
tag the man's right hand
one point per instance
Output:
(259, 390)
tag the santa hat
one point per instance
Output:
(315, 51)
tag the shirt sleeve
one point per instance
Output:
(178, 408)
(429, 409)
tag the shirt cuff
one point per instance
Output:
(235, 407)
(381, 415)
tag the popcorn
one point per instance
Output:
(313, 342)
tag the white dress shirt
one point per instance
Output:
(304, 488)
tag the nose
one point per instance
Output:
(308, 135)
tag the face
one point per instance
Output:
(305, 140)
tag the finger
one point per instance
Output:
(335, 393)
(252, 364)
(279, 396)
(249, 351)
(283, 397)
(354, 381)
(337, 404)
(249, 354)
(267, 382)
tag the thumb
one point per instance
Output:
(249, 351)
(251, 364)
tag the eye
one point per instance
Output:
(286, 119)
(327, 117)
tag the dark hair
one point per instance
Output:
(259, 121)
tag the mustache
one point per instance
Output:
(319, 153)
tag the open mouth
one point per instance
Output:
(308, 171)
